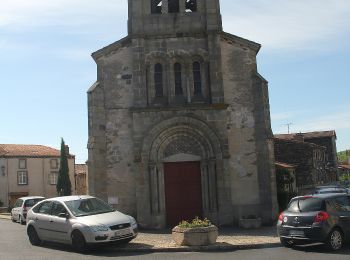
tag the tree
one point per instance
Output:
(64, 185)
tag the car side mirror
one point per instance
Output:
(64, 215)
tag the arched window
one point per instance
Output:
(191, 6)
(197, 82)
(173, 6)
(156, 6)
(158, 79)
(178, 79)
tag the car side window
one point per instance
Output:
(341, 204)
(44, 208)
(57, 208)
(18, 203)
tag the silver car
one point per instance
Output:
(22, 206)
(79, 221)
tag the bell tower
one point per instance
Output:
(173, 17)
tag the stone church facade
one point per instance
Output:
(179, 121)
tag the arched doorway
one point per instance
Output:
(182, 156)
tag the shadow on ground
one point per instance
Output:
(321, 248)
(102, 250)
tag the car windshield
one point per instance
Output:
(306, 204)
(31, 202)
(87, 207)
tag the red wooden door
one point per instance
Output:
(183, 193)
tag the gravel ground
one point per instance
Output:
(229, 238)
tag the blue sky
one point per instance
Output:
(46, 68)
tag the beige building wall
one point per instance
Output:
(38, 174)
(3, 182)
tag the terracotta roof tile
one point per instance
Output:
(344, 166)
(22, 150)
(285, 165)
(307, 135)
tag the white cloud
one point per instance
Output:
(285, 24)
(282, 116)
(334, 121)
(277, 24)
(26, 13)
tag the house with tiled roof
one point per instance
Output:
(308, 159)
(30, 170)
(323, 138)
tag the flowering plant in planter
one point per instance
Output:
(196, 222)
(195, 233)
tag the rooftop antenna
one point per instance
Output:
(288, 126)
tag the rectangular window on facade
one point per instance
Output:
(53, 178)
(22, 177)
(22, 163)
(156, 6)
(53, 164)
(173, 6)
(191, 5)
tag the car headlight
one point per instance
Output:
(133, 222)
(99, 228)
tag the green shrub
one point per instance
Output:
(195, 223)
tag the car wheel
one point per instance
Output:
(33, 236)
(286, 242)
(335, 239)
(78, 241)
(21, 220)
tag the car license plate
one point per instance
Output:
(298, 233)
(122, 232)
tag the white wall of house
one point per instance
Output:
(38, 172)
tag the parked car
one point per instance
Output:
(22, 206)
(330, 189)
(318, 218)
(79, 221)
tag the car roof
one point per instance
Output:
(322, 195)
(71, 198)
(31, 197)
(330, 187)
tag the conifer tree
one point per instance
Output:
(64, 185)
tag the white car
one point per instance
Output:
(22, 206)
(79, 221)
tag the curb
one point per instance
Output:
(6, 217)
(197, 248)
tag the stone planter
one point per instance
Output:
(202, 236)
(249, 223)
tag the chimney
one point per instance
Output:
(299, 137)
(66, 148)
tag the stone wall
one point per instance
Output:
(132, 132)
(308, 158)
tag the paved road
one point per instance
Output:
(14, 245)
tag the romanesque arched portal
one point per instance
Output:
(181, 145)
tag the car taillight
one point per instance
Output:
(280, 217)
(321, 216)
